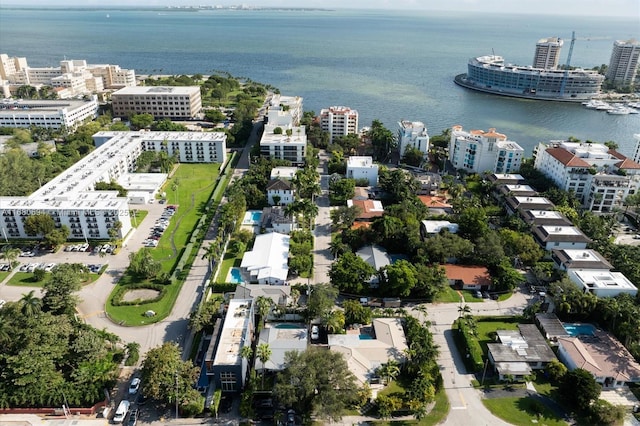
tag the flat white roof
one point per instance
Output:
(541, 214)
(12, 107)
(519, 187)
(268, 137)
(600, 279)
(561, 230)
(586, 255)
(508, 176)
(534, 200)
(157, 90)
(360, 161)
(283, 172)
(435, 226)
(233, 332)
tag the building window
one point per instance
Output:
(228, 381)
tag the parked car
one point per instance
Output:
(133, 418)
(485, 295)
(134, 386)
(315, 332)
(121, 411)
(478, 295)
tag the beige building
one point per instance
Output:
(547, 53)
(160, 101)
(339, 121)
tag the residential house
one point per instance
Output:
(519, 352)
(517, 190)
(468, 277)
(477, 151)
(281, 338)
(515, 204)
(430, 228)
(367, 348)
(565, 259)
(437, 205)
(506, 178)
(603, 356)
(559, 237)
(413, 134)
(602, 283)
(275, 220)
(377, 257)
(282, 172)
(267, 261)
(544, 217)
(362, 168)
(369, 209)
(280, 192)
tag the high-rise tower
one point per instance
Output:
(623, 64)
(547, 53)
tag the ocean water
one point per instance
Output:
(388, 65)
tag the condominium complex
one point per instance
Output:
(284, 143)
(70, 198)
(174, 102)
(623, 65)
(55, 114)
(72, 78)
(601, 178)
(413, 134)
(339, 121)
(478, 151)
(284, 110)
(547, 53)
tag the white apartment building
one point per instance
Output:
(413, 134)
(175, 102)
(284, 110)
(600, 177)
(623, 65)
(78, 77)
(602, 283)
(552, 237)
(339, 121)
(287, 143)
(478, 151)
(547, 54)
(51, 114)
(70, 198)
(636, 150)
(362, 168)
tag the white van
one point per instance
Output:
(121, 412)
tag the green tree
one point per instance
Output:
(263, 353)
(389, 370)
(556, 370)
(57, 236)
(473, 223)
(141, 121)
(10, 255)
(165, 376)
(142, 263)
(355, 313)
(382, 141)
(341, 190)
(30, 304)
(344, 216)
(580, 388)
(316, 383)
(39, 224)
(263, 305)
(398, 184)
(59, 288)
(399, 278)
(413, 156)
(321, 300)
(350, 273)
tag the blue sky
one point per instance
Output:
(625, 8)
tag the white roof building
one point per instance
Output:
(602, 283)
(51, 114)
(281, 338)
(267, 262)
(284, 110)
(432, 227)
(600, 177)
(283, 146)
(362, 168)
(413, 134)
(282, 172)
(339, 121)
(478, 151)
(560, 237)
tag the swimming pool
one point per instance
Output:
(365, 337)
(252, 217)
(289, 326)
(235, 276)
(579, 329)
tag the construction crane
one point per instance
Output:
(568, 64)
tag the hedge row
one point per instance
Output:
(116, 299)
(472, 346)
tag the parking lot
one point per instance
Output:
(161, 224)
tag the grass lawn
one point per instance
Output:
(451, 295)
(25, 279)
(195, 184)
(3, 275)
(488, 325)
(228, 262)
(522, 411)
(137, 216)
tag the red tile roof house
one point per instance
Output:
(369, 209)
(468, 277)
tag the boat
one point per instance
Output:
(618, 110)
(605, 107)
(596, 104)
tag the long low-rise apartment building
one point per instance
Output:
(51, 114)
(71, 199)
(176, 102)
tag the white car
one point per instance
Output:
(49, 267)
(315, 332)
(134, 386)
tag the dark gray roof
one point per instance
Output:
(278, 184)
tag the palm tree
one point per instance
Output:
(263, 352)
(264, 305)
(10, 255)
(389, 370)
(211, 253)
(247, 352)
(463, 310)
(31, 304)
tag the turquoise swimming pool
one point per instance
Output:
(365, 337)
(252, 217)
(235, 276)
(579, 329)
(289, 326)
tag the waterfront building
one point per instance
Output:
(51, 114)
(623, 65)
(601, 178)
(413, 134)
(362, 168)
(78, 77)
(478, 151)
(339, 121)
(490, 74)
(71, 199)
(173, 102)
(284, 110)
(284, 143)
(547, 54)
(636, 150)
